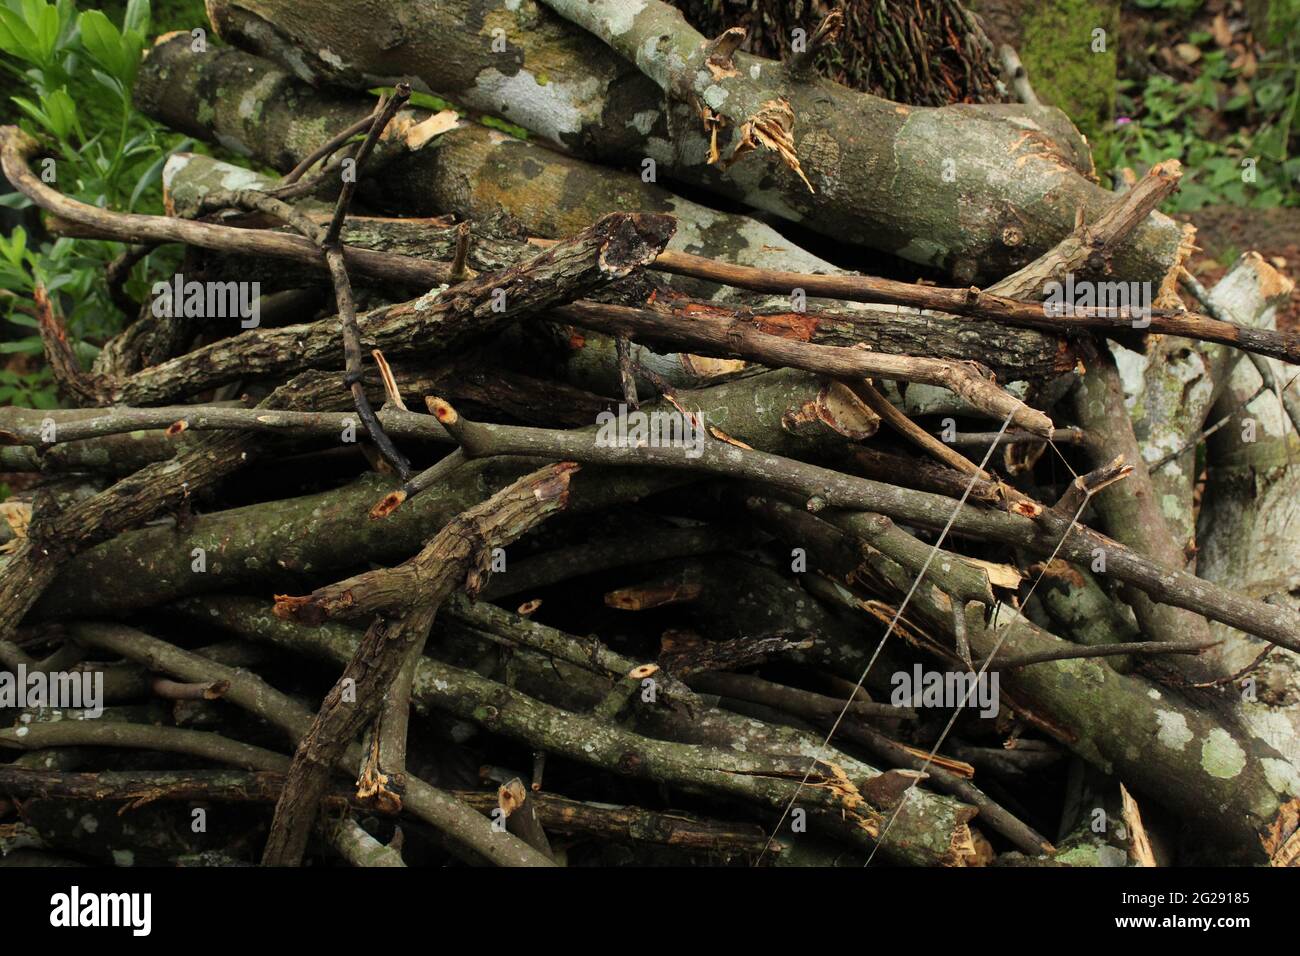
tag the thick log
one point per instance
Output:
(875, 170)
(472, 171)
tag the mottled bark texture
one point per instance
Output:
(1228, 780)
(787, 411)
(975, 190)
(1249, 529)
(932, 830)
(1011, 353)
(256, 109)
(458, 556)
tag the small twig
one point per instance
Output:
(181, 418)
(174, 690)
(1089, 484)
(1059, 436)
(1075, 651)
(117, 272)
(328, 148)
(459, 268)
(60, 355)
(381, 119)
(828, 31)
(914, 432)
(1233, 678)
(353, 377)
(392, 394)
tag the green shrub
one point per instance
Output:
(75, 72)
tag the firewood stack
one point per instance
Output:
(522, 492)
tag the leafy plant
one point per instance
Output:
(1165, 118)
(77, 71)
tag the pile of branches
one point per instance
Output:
(475, 497)
(923, 54)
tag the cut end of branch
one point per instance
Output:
(442, 410)
(511, 796)
(631, 240)
(300, 608)
(555, 485)
(387, 504)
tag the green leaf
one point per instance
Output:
(147, 179)
(27, 346)
(43, 18)
(137, 17)
(104, 43)
(62, 112)
(34, 111)
(17, 38)
(15, 246)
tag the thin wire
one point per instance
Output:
(888, 631)
(970, 689)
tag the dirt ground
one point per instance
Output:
(1224, 232)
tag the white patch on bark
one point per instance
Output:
(1221, 756)
(644, 121)
(175, 163)
(1173, 732)
(425, 302)
(1282, 776)
(329, 56)
(715, 96)
(1132, 368)
(549, 109)
(255, 95)
(615, 16)
(237, 177)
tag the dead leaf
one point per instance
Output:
(1222, 35)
